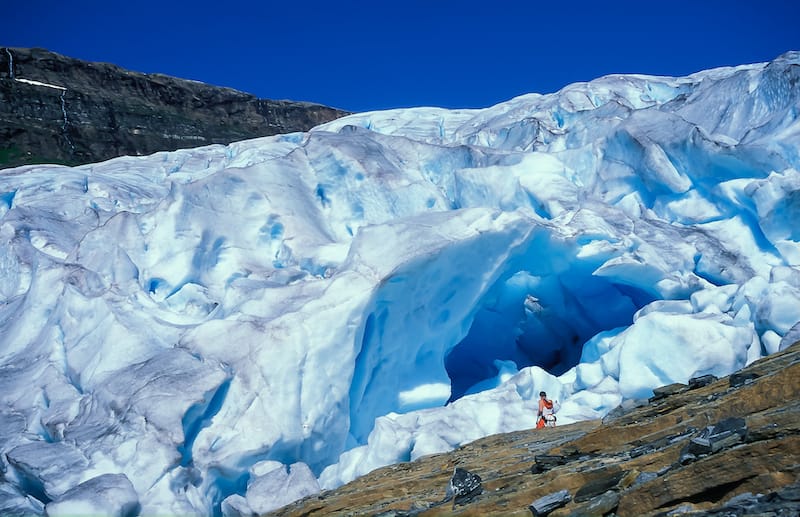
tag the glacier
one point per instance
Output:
(224, 329)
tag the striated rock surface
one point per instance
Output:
(638, 461)
(56, 109)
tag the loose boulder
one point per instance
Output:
(703, 380)
(464, 486)
(545, 505)
(663, 392)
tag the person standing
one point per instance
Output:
(545, 416)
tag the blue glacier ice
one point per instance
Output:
(196, 331)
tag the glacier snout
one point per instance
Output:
(190, 331)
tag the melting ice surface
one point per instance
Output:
(224, 329)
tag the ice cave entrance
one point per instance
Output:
(540, 311)
(542, 321)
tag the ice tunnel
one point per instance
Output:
(438, 328)
(540, 321)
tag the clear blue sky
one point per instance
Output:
(364, 55)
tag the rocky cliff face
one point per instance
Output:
(714, 447)
(55, 109)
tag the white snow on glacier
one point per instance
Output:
(225, 329)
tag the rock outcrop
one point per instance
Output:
(727, 446)
(56, 109)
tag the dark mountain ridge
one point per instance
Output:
(56, 109)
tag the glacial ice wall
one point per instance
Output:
(196, 331)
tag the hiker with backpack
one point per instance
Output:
(546, 416)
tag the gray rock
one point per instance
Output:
(643, 478)
(599, 506)
(667, 391)
(736, 425)
(548, 503)
(545, 462)
(599, 486)
(783, 502)
(398, 513)
(463, 486)
(699, 382)
(742, 499)
(724, 440)
(641, 451)
(790, 493)
(742, 378)
(699, 446)
(723, 434)
(687, 458)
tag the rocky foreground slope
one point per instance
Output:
(713, 447)
(56, 109)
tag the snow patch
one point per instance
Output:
(38, 83)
